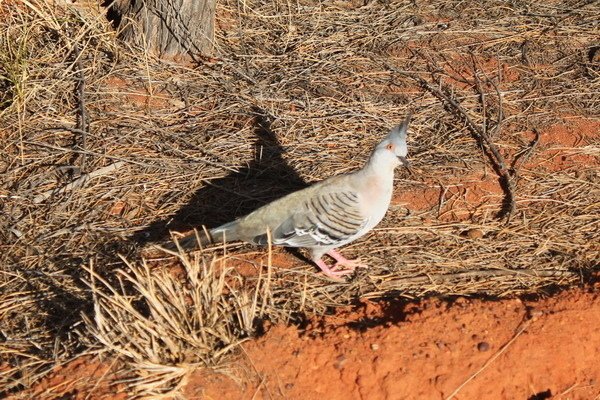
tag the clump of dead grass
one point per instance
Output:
(166, 323)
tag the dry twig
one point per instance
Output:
(79, 181)
(479, 132)
(82, 120)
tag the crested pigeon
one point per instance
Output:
(326, 215)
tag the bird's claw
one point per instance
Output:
(340, 269)
(334, 272)
(350, 265)
(337, 276)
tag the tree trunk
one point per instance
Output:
(168, 28)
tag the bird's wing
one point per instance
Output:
(324, 219)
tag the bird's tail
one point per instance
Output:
(198, 239)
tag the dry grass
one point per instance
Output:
(296, 92)
(167, 323)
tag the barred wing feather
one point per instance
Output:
(325, 219)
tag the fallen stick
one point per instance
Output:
(79, 181)
(82, 120)
(494, 154)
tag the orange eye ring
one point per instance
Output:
(389, 146)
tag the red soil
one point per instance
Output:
(508, 349)
(562, 146)
(474, 349)
(83, 378)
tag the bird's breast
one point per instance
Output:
(376, 198)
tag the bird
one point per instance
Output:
(324, 216)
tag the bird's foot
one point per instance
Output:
(341, 261)
(333, 272)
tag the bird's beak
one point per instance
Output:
(406, 164)
(404, 161)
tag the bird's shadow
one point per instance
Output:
(267, 177)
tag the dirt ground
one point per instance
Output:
(433, 349)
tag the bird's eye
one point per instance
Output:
(389, 146)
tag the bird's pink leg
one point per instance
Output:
(331, 272)
(342, 261)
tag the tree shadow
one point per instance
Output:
(266, 178)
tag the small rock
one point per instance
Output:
(533, 313)
(461, 301)
(374, 346)
(474, 233)
(340, 361)
(483, 346)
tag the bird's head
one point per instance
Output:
(392, 150)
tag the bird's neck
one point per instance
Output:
(381, 162)
(379, 168)
(377, 183)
